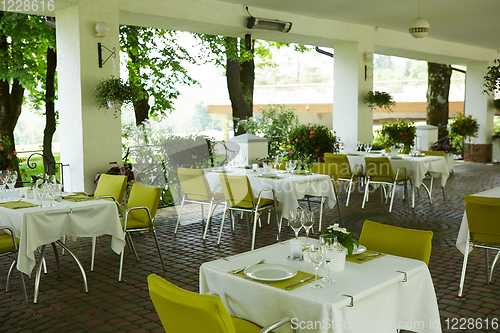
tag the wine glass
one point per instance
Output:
(368, 147)
(3, 180)
(307, 221)
(295, 223)
(11, 181)
(275, 162)
(289, 166)
(316, 256)
(329, 251)
(280, 161)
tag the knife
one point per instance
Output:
(297, 283)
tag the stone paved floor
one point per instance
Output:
(112, 306)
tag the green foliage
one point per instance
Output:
(334, 234)
(380, 99)
(112, 90)
(463, 126)
(155, 64)
(492, 78)
(496, 104)
(309, 142)
(8, 158)
(402, 131)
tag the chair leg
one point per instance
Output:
(132, 246)
(493, 266)
(321, 213)
(159, 250)
(222, 223)
(256, 217)
(430, 186)
(365, 197)
(121, 266)
(93, 254)
(349, 189)
(392, 196)
(464, 268)
(23, 285)
(180, 214)
(338, 204)
(9, 276)
(278, 221)
(202, 215)
(209, 219)
(487, 266)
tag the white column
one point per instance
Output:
(90, 138)
(477, 104)
(352, 119)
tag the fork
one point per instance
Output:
(242, 269)
(370, 255)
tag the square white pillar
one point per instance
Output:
(352, 119)
(90, 138)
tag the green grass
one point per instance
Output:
(27, 172)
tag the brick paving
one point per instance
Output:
(112, 306)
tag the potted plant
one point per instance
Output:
(492, 78)
(380, 99)
(112, 93)
(400, 132)
(341, 242)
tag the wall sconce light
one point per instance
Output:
(100, 29)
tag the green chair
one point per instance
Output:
(484, 231)
(345, 173)
(139, 217)
(402, 242)
(185, 311)
(195, 189)
(379, 171)
(8, 247)
(111, 188)
(239, 196)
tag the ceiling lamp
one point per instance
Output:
(419, 27)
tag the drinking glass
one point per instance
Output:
(368, 147)
(294, 222)
(11, 181)
(307, 220)
(280, 161)
(316, 256)
(275, 162)
(359, 146)
(289, 166)
(329, 251)
(3, 180)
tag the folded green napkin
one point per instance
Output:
(355, 259)
(18, 205)
(78, 197)
(283, 283)
(270, 177)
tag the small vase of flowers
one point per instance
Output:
(343, 242)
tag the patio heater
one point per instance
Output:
(267, 24)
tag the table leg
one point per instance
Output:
(85, 287)
(38, 273)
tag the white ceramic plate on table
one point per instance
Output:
(359, 249)
(270, 272)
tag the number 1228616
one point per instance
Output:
(26, 5)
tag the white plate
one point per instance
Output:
(359, 249)
(270, 272)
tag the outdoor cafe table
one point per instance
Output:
(288, 188)
(36, 227)
(463, 233)
(417, 167)
(382, 300)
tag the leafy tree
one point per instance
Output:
(24, 40)
(230, 53)
(438, 90)
(154, 63)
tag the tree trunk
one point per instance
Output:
(438, 90)
(240, 76)
(50, 114)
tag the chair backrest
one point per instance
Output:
(237, 191)
(113, 185)
(194, 184)
(379, 169)
(432, 153)
(342, 162)
(147, 196)
(329, 169)
(7, 243)
(185, 311)
(408, 243)
(482, 217)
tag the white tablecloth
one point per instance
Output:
(417, 167)
(382, 302)
(287, 190)
(464, 227)
(38, 226)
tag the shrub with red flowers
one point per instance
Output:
(402, 131)
(8, 158)
(309, 142)
(463, 126)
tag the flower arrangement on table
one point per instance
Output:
(125, 170)
(463, 126)
(400, 132)
(39, 180)
(8, 157)
(334, 234)
(309, 142)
